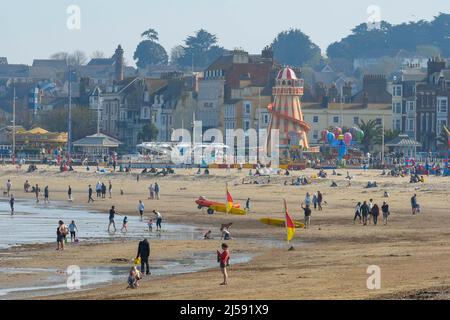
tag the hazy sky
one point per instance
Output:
(36, 29)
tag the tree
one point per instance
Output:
(199, 50)
(150, 34)
(76, 58)
(442, 139)
(149, 133)
(372, 134)
(98, 55)
(294, 48)
(176, 53)
(421, 37)
(83, 122)
(390, 135)
(149, 52)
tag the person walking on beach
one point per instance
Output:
(46, 195)
(141, 208)
(103, 190)
(8, 186)
(150, 225)
(69, 193)
(158, 220)
(385, 211)
(73, 230)
(125, 225)
(156, 190)
(307, 212)
(414, 204)
(375, 213)
(319, 200)
(90, 191)
(152, 192)
(37, 190)
(247, 205)
(11, 204)
(314, 200)
(308, 199)
(112, 213)
(98, 189)
(110, 188)
(224, 261)
(61, 233)
(144, 253)
(370, 210)
(365, 212)
(357, 212)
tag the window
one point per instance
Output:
(315, 119)
(410, 106)
(397, 91)
(266, 119)
(397, 125)
(247, 108)
(442, 106)
(397, 107)
(410, 126)
(355, 120)
(246, 125)
(336, 119)
(378, 121)
(316, 134)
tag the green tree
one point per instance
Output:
(442, 139)
(294, 48)
(372, 134)
(149, 133)
(200, 50)
(83, 122)
(390, 135)
(149, 52)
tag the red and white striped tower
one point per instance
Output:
(286, 113)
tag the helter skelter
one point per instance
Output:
(287, 117)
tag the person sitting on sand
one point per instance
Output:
(386, 194)
(207, 235)
(133, 278)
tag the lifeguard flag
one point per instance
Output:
(290, 227)
(229, 201)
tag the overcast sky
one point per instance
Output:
(36, 29)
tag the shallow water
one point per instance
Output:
(36, 223)
(53, 281)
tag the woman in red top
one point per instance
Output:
(224, 258)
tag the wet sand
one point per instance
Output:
(329, 261)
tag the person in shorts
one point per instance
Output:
(224, 261)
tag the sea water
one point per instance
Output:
(34, 223)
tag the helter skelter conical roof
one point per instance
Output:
(286, 74)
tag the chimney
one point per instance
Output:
(118, 56)
(347, 92)
(434, 65)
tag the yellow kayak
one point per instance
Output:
(222, 208)
(280, 222)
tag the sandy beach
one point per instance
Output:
(330, 259)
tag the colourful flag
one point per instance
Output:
(229, 201)
(290, 227)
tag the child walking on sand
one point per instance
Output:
(150, 225)
(224, 260)
(125, 225)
